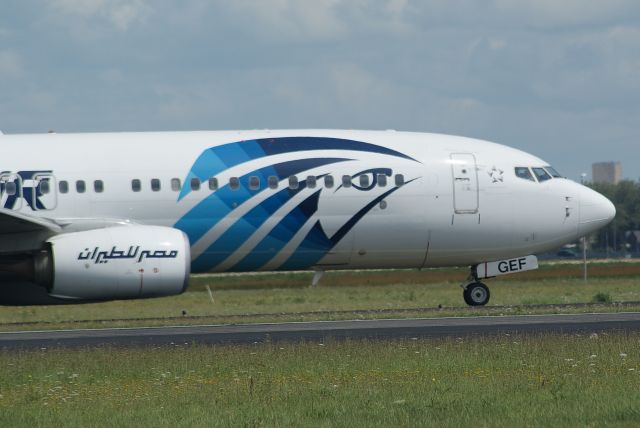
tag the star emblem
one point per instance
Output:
(497, 175)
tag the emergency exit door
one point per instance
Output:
(465, 183)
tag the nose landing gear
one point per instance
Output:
(475, 293)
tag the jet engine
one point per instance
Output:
(123, 262)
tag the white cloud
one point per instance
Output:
(121, 14)
(10, 64)
(393, 17)
(301, 20)
(397, 7)
(624, 37)
(40, 100)
(497, 44)
(538, 73)
(112, 75)
(354, 86)
(79, 7)
(552, 13)
(317, 19)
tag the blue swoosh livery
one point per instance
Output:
(221, 203)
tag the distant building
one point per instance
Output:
(607, 172)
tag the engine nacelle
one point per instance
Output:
(124, 262)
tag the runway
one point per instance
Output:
(322, 330)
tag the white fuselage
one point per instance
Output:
(458, 201)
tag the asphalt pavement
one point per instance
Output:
(323, 330)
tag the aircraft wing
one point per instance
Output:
(12, 222)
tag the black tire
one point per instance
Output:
(476, 294)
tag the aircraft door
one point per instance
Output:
(10, 191)
(465, 183)
(43, 192)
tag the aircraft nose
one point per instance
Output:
(596, 211)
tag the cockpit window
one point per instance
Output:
(524, 172)
(551, 170)
(541, 174)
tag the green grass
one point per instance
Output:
(550, 380)
(255, 305)
(383, 294)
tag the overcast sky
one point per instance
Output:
(559, 79)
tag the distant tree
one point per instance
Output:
(626, 197)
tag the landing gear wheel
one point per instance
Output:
(476, 294)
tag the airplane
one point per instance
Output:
(105, 216)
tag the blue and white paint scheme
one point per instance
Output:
(248, 228)
(238, 201)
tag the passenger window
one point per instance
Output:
(11, 188)
(155, 184)
(293, 182)
(44, 187)
(234, 183)
(273, 182)
(136, 186)
(213, 183)
(63, 186)
(195, 183)
(524, 173)
(364, 180)
(399, 180)
(98, 186)
(328, 181)
(551, 170)
(80, 186)
(311, 182)
(175, 184)
(382, 180)
(346, 181)
(254, 183)
(541, 174)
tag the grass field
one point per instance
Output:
(551, 380)
(530, 380)
(380, 294)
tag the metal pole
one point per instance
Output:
(584, 256)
